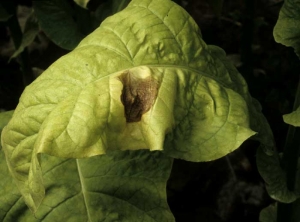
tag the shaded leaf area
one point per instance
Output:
(120, 186)
(4, 15)
(108, 8)
(74, 108)
(287, 30)
(295, 210)
(55, 14)
(11, 84)
(293, 118)
(30, 32)
(227, 189)
(268, 214)
(275, 177)
(4, 118)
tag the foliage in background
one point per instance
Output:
(77, 19)
(281, 172)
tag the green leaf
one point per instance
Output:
(4, 15)
(293, 118)
(261, 125)
(56, 19)
(30, 32)
(118, 5)
(287, 30)
(275, 177)
(120, 186)
(268, 214)
(82, 3)
(10, 197)
(109, 8)
(143, 80)
(4, 119)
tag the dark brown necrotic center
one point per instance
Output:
(138, 95)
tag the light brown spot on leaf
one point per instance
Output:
(138, 95)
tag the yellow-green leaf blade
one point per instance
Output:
(293, 118)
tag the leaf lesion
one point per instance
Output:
(138, 95)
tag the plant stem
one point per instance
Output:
(291, 149)
(291, 129)
(289, 163)
(284, 212)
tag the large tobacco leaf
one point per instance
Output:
(120, 186)
(143, 80)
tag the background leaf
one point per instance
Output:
(4, 15)
(275, 177)
(293, 118)
(55, 14)
(120, 186)
(287, 30)
(82, 3)
(268, 214)
(109, 8)
(30, 32)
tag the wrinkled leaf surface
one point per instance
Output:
(120, 186)
(143, 80)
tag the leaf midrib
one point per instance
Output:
(81, 178)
